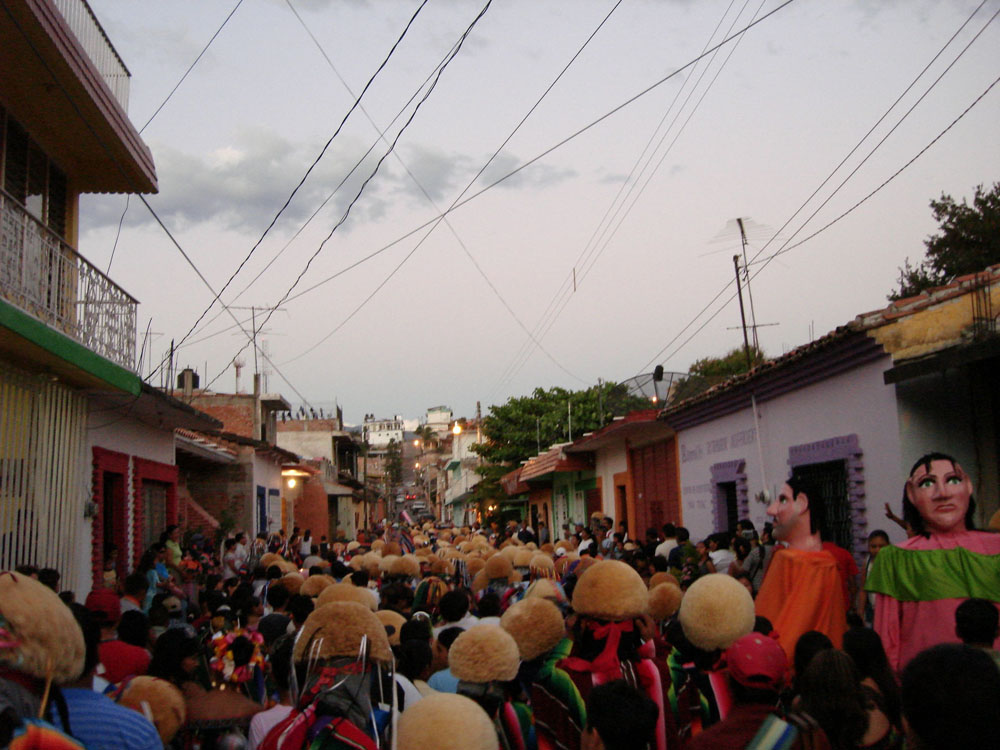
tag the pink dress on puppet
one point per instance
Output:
(907, 628)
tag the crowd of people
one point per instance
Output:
(485, 637)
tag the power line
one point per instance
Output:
(443, 215)
(590, 254)
(114, 159)
(121, 221)
(308, 171)
(786, 246)
(370, 177)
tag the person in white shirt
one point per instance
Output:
(668, 543)
(719, 553)
(262, 723)
(454, 608)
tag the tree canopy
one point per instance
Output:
(967, 241)
(706, 372)
(518, 429)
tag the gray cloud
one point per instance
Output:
(538, 174)
(241, 186)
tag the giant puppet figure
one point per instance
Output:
(802, 589)
(920, 583)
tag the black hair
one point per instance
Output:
(950, 697)
(447, 636)
(360, 578)
(976, 622)
(50, 577)
(831, 694)
(745, 695)
(623, 717)
(683, 535)
(807, 646)
(878, 533)
(133, 628)
(762, 625)
(300, 607)
(169, 652)
(416, 630)
(669, 530)
(136, 584)
(277, 596)
(91, 637)
(803, 484)
(415, 656)
(865, 646)
(910, 513)
(489, 605)
(454, 605)
(274, 573)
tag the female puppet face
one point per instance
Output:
(941, 495)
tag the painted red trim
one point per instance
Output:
(111, 462)
(151, 471)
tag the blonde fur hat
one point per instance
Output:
(407, 565)
(543, 565)
(314, 585)
(353, 545)
(535, 624)
(378, 544)
(484, 653)
(287, 567)
(42, 629)
(393, 548)
(270, 558)
(357, 562)
(442, 568)
(475, 564)
(479, 581)
(657, 578)
(611, 590)
(385, 564)
(390, 618)
(293, 582)
(715, 611)
(664, 600)
(523, 557)
(431, 723)
(159, 701)
(339, 628)
(347, 592)
(499, 566)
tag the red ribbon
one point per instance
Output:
(607, 661)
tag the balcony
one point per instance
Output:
(88, 32)
(48, 279)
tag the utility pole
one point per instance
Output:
(746, 270)
(569, 411)
(743, 317)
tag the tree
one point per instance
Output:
(393, 465)
(524, 425)
(967, 241)
(706, 372)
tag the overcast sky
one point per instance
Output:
(641, 204)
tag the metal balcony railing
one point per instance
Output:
(45, 277)
(88, 32)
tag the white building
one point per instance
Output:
(378, 433)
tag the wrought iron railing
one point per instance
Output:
(48, 279)
(87, 30)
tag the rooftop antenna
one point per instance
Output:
(239, 364)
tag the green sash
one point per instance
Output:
(924, 575)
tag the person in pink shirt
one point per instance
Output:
(920, 583)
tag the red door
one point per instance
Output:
(654, 476)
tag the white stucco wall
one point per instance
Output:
(308, 444)
(856, 402)
(608, 462)
(130, 437)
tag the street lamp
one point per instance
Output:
(457, 429)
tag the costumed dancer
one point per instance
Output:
(41, 647)
(802, 589)
(920, 583)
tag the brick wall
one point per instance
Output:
(311, 511)
(234, 411)
(218, 488)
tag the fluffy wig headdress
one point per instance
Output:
(611, 590)
(535, 624)
(39, 635)
(657, 578)
(432, 723)
(664, 600)
(484, 653)
(407, 566)
(390, 618)
(715, 611)
(339, 628)
(314, 585)
(347, 592)
(293, 582)
(159, 701)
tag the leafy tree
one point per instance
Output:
(518, 429)
(967, 241)
(706, 372)
(393, 465)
